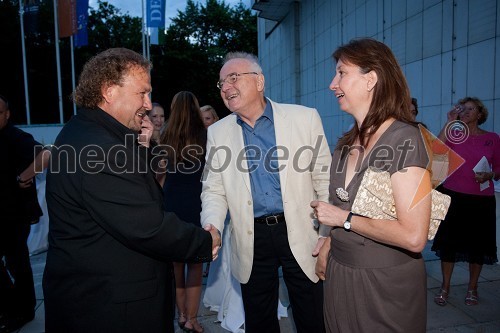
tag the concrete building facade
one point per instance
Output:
(446, 48)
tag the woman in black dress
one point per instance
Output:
(184, 141)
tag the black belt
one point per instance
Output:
(270, 219)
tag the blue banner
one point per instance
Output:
(82, 15)
(155, 13)
(30, 12)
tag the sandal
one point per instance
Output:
(441, 299)
(471, 297)
(181, 320)
(195, 326)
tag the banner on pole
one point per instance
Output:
(66, 12)
(157, 36)
(30, 11)
(155, 13)
(82, 15)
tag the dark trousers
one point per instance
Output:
(260, 294)
(17, 291)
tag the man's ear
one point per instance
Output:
(371, 81)
(108, 92)
(261, 80)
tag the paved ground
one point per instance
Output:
(455, 317)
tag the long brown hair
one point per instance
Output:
(185, 127)
(391, 96)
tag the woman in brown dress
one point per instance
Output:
(374, 274)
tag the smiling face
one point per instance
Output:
(246, 95)
(157, 116)
(353, 89)
(128, 102)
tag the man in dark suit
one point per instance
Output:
(19, 208)
(110, 242)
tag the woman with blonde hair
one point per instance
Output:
(468, 231)
(208, 115)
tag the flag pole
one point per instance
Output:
(73, 71)
(143, 32)
(58, 62)
(25, 70)
(149, 44)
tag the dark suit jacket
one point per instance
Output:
(18, 149)
(111, 244)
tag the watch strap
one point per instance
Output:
(349, 216)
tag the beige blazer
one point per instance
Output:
(304, 159)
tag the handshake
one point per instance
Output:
(216, 240)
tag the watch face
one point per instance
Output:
(347, 225)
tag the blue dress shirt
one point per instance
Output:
(262, 162)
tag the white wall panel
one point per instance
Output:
(489, 124)
(414, 38)
(447, 96)
(447, 51)
(398, 11)
(413, 73)
(387, 6)
(460, 23)
(432, 28)
(371, 17)
(430, 3)
(480, 64)
(431, 80)
(497, 69)
(459, 74)
(413, 7)
(398, 44)
(360, 17)
(447, 26)
(482, 20)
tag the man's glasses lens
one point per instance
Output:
(232, 78)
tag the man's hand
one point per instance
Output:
(216, 240)
(319, 244)
(24, 183)
(323, 259)
(147, 129)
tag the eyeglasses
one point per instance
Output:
(232, 78)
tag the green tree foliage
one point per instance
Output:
(189, 59)
(196, 43)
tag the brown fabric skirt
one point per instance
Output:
(371, 287)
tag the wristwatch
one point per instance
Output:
(347, 222)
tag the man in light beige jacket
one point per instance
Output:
(265, 163)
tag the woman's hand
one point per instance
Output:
(482, 177)
(455, 112)
(328, 214)
(320, 268)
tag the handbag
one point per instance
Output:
(375, 200)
